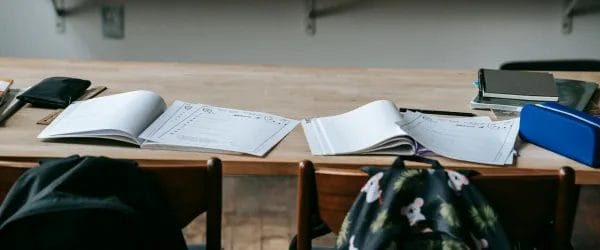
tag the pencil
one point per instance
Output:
(437, 112)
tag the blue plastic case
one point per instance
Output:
(562, 130)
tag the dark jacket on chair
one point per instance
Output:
(87, 203)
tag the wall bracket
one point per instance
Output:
(310, 16)
(567, 15)
(61, 12)
(311, 12)
(59, 7)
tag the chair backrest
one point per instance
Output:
(8, 176)
(190, 190)
(535, 207)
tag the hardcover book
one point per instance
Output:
(521, 85)
(571, 93)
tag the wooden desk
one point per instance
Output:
(293, 92)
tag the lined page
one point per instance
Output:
(200, 127)
(467, 139)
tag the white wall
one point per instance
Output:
(377, 33)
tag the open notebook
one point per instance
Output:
(369, 129)
(379, 128)
(141, 118)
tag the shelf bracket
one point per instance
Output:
(311, 12)
(310, 16)
(59, 7)
(61, 12)
(567, 15)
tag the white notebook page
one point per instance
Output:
(122, 115)
(468, 139)
(201, 126)
(356, 131)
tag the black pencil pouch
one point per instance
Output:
(55, 92)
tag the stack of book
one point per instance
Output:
(511, 90)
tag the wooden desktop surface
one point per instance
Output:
(293, 92)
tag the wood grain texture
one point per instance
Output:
(294, 92)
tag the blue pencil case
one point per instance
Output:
(563, 130)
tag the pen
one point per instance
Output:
(437, 112)
(11, 107)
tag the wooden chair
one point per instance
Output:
(535, 207)
(191, 191)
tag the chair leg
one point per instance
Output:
(215, 204)
(566, 207)
(305, 181)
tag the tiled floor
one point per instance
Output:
(259, 214)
